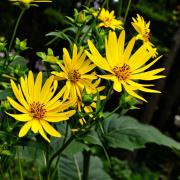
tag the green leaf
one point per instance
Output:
(60, 35)
(5, 93)
(74, 148)
(127, 133)
(31, 154)
(71, 168)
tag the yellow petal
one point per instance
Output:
(147, 75)
(55, 98)
(17, 106)
(97, 58)
(117, 86)
(74, 56)
(21, 117)
(147, 66)
(86, 69)
(131, 92)
(113, 51)
(24, 86)
(37, 86)
(121, 41)
(25, 129)
(46, 88)
(66, 58)
(141, 88)
(41, 131)
(108, 77)
(49, 129)
(35, 126)
(80, 61)
(18, 94)
(129, 49)
(31, 84)
(59, 75)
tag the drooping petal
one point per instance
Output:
(117, 86)
(49, 129)
(141, 88)
(41, 131)
(131, 92)
(35, 125)
(25, 129)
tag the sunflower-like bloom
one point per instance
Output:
(88, 103)
(123, 67)
(74, 72)
(108, 20)
(30, 1)
(38, 106)
(144, 33)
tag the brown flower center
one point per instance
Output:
(74, 76)
(146, 37)
(122, 73)
(107, 21)
(37, 110)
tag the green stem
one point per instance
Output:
(20, 168)
(86, 163)
(58, 152)
(57, 162)
(120, 9)
(113, 111)
(107, 4)
(90, 27)
(9, 174)
(127, 10)
(15, 28)
(51, 41)
(78, 34)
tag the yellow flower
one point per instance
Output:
(109, 20)
(38, 106)
(144, 33)
(74, 72)
(123, 67)
(30, 1)
(88, 107)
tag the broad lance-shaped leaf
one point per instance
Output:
(71, 167)
(127, 133)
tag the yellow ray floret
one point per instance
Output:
(108, 20)
(38, 105)
(30, 1)
(76, 74)
(125, 67)
(144, 33)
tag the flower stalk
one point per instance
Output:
(16, 27)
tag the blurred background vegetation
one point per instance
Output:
(163, 111)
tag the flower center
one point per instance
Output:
(107, 21)
(122, 73)
(37, 110)
(146, 36)
(74, 76)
